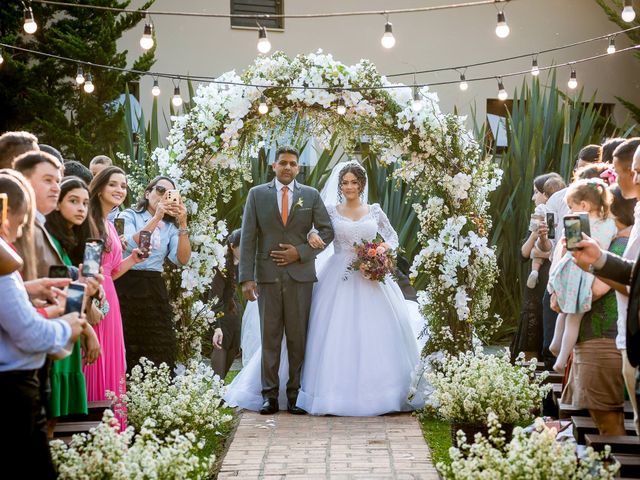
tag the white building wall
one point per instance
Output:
(211, 47)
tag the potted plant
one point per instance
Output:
(471, 385)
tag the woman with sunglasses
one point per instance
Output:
(146, 312)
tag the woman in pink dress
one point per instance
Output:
(108, 191)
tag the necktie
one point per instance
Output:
(285, 204)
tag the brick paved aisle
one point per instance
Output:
(291, 447)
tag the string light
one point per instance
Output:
(388, 40)
(88, 84)
(176, 100)
(573, 80)
(502, 93)
(417, 104)
(464, 86)
(612, 45)
(502, 29)
(342, 108)
(146, 41)
(535, 71)
(263, 107)
(79, 76)
(1, 57)
(155, 90)
(264, 45)
(30, 26)
(628, 13)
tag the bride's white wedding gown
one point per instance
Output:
(361, 347)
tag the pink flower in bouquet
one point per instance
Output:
(381, 249)
(372, 252)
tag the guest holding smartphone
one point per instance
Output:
(108, 190)
(68, 230)
(25, 340)
(146, 312)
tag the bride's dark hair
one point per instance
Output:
(358, 171)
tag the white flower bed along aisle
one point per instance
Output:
(210, 150)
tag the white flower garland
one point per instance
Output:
(210, 149)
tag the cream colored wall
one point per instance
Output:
(424, 40)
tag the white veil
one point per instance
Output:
(329, 195)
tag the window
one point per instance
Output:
(261, 7)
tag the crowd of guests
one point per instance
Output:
(53, 363)
(580, 304)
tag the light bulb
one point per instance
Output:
(388, 40)
(30, 26)
(464, 86)
(502, 29)
(628, 13)
(88, 84)
(146, 41)
(79, 76)
(1, 57)
(263, 107)
(342, 108)
(573, 81)
(176, 100)
(264, 45)
(535, 71)
(502, 93)
(417, 104)
(612, 46)
(155, 90)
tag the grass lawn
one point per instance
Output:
(217, 444)
(438, 436)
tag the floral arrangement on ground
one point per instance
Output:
(469, 386)
(529, 455)
(211, 146)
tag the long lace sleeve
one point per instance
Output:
(384, 226)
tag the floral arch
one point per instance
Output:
(211, 146)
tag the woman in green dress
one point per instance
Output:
(68, 229)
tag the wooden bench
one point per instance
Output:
(95, 412)
(66, 429)
(554, 377)
(618, 443)
(629, 464)
(565, 410)
(584, 425)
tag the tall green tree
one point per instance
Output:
(40, 95)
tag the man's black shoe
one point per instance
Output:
(269, 407)
(293, 410)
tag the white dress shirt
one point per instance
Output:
(631, 252)
(291, 187)
(558, 206)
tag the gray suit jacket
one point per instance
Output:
(263, 231)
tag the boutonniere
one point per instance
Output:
(299, 203)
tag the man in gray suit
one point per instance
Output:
(277, 266)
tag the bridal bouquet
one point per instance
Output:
(374, 259)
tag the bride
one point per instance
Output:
(361, 346)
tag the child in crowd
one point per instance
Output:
(551, 186)
(570, 285)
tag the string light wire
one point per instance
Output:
(208, 79)
(264, 16)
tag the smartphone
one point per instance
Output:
(144, 242)
(584, 223)
(92, 257)
(119, 224)
(75, 298)
(59, 271)
(172, 196)
(572, 230)
(4, 206)
(551, 224)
